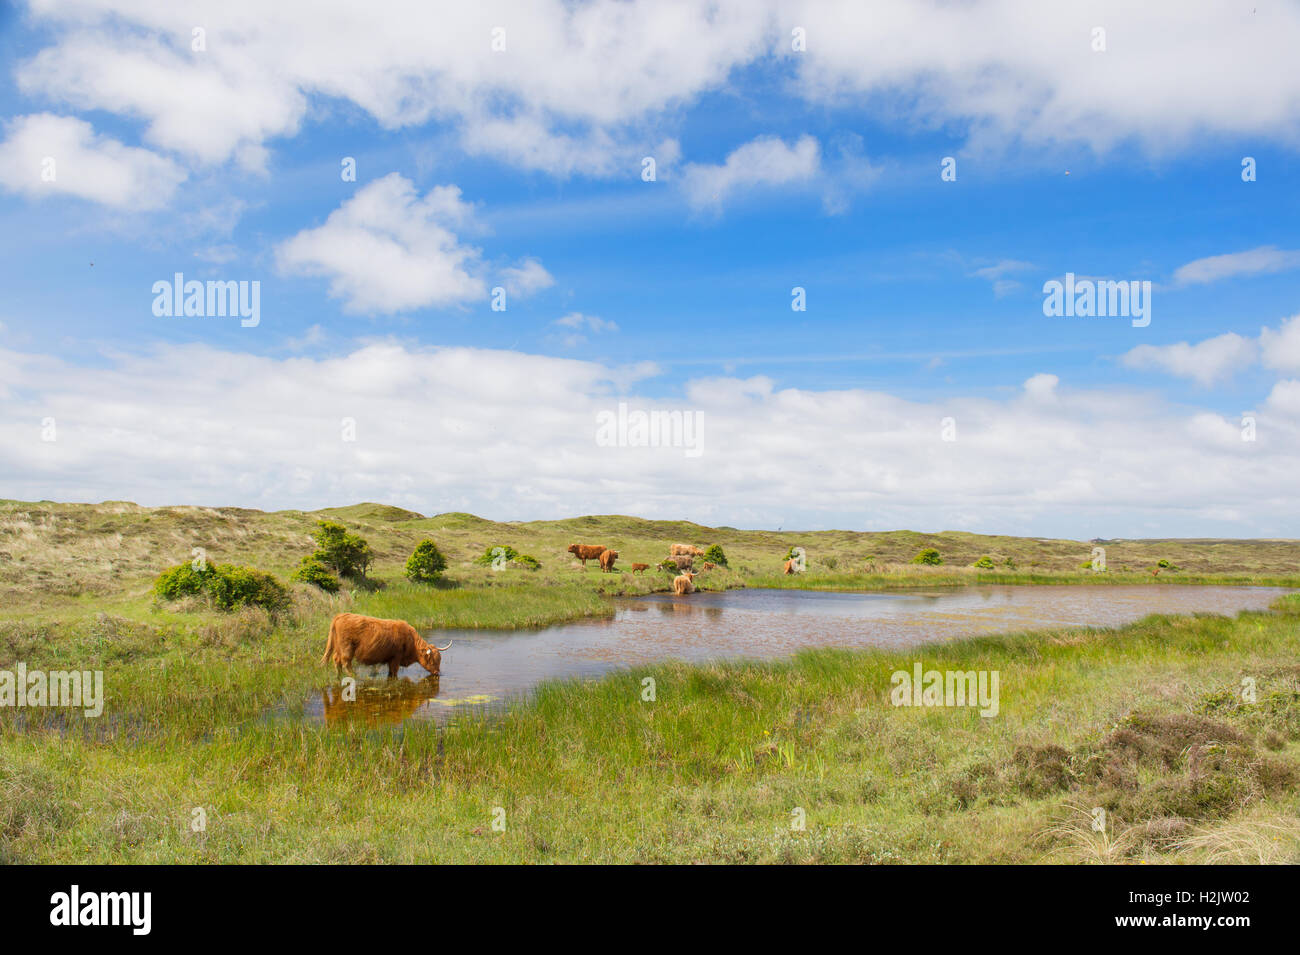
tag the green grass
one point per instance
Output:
(709, 771)
(204, 710)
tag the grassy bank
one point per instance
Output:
(1146, 722)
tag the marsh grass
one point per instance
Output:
(710, 771)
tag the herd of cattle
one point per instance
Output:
(681, 557)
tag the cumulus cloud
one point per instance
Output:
(388, 249)
(1207, 362)
(46, 155)
(1219, 358)
(1281, 349)
(766, 161)
(1265, 259)
(195, 424)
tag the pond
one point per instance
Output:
(486, 667)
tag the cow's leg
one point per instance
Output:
(392, 669)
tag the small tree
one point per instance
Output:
(714, 555)
(426, 563)
(985, 563)
(345, 554)
(928, 556)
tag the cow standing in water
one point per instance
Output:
(369, 640)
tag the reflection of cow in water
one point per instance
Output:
(377, 704)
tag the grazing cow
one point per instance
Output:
(685, 550)
(586, 552)
(683, 585)
(372, 641)
(637, 568)
(680, 562)
(607, 560)
(789, 566)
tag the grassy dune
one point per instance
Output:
(1146, 722)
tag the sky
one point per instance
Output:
(487, 241)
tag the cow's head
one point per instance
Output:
(431, 659)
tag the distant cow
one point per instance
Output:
(685, 550)
(607, 559)
(680, 562)
(683, 585)
(708, 566)
(586, 552)
(789, 566)
(373, 641)
(637, 568)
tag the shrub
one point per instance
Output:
(486, 558)
(985, 563)
(313, 571)
(831, 562)
(426, 563)
(714, 555)
(511, 556)
(928, 556)
(1009, 563)
(225, 586)
(345, 554)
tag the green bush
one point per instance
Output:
(345, 554)
(928, 556)
(985, 563)
(714, 555)
(225, 586)
(486, 558)
(312, 571)
(426, 563)
(512, 556)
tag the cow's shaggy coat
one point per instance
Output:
(369, 640)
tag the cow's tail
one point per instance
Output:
(329, 643)
(443, 649)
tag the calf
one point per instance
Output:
(607, 559)
(369, 640)
(637, 568)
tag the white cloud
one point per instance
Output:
(998, 272)
(387, 249)
(261, 432)
(580, 322)
(526, 278)
(1265, 259)
(84, 164)
(766, 161)
(1281, 349)
(1206, 362)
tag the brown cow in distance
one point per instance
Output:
(685, 550)
(607, 560)
(708, 566)
(683, 585)
(586, 552)
(680, 562)
(637, 568)
(789, 566)
(369, 640)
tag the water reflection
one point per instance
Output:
(487, 667)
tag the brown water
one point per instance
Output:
(485, 668)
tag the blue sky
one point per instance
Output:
(775, 169)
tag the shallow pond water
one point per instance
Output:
(486, 667)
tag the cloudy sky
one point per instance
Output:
(477, 228)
